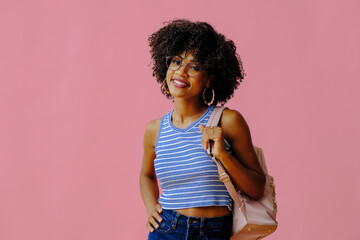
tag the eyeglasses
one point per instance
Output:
(191, 68)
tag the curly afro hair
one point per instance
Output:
(216, 54)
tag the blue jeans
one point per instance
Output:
(176, 226)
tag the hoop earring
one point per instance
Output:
(204, 96)
(164, 88)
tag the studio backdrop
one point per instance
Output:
(76, 92)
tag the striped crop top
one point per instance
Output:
(187, 175)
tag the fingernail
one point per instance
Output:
(159, 219)
(156, 226)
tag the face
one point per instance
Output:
(183, 85)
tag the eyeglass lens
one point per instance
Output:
(174, 63)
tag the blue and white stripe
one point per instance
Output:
(187, 175)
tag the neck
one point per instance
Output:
(185, 110)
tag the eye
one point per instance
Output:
(176, 61)
(195, 67)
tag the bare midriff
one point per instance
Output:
(212, 211)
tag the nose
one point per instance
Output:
(182, 69)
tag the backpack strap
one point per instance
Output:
(223, 175)
(215, 116)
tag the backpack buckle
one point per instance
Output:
(224, 177)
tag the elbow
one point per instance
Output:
(258, 192)
(147, 177)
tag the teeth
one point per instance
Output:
(181, 83)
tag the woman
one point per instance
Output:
(198, 68)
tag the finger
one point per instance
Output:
(205, 140)
(201, 127)
(212, 130)
(158, 208)
(153, 222)
(211, 134)
(157, 216)
(148, 225)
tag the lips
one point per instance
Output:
(179, 83)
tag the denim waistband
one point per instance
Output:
(178, 218)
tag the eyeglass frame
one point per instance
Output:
(167, 58)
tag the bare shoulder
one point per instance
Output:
(234, 124)
(232, 118)
(153, 125)
(151, 132)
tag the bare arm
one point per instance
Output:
(243, 166)
(148, 182)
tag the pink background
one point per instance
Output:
(77, 91)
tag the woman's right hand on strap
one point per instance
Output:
(154, 218)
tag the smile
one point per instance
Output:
(179, 83)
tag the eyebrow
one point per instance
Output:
(194, 60)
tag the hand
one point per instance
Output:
(215, 135)
(155, 218)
